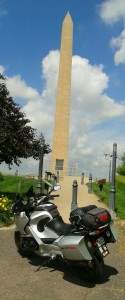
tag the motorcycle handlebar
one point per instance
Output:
(30, 201)
(46, 199)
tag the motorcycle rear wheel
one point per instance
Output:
(21, 246)
(94, 270)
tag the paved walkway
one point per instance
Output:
(83, 198)
(64, 201)
(19, 279)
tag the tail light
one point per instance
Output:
(103, 217)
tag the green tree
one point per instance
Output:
(121, 168)
(17, 139)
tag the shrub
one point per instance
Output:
(5, 210)
(121, 169)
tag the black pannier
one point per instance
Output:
(77, 214)
(90, 216)
(96, 218)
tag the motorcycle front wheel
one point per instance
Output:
(21, 245)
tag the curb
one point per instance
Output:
(8, 227)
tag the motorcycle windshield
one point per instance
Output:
(26, 185)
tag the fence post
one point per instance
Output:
(82, 178)
(57, 176)
(74, 195)
(46, 176)
(53, 179)
(90, 184)
(112, 190)
(41, 155)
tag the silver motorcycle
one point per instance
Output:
(40, 229)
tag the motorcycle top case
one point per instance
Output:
(77, 214)
(91, 216)
(96, 218)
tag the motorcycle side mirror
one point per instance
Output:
(57, 187)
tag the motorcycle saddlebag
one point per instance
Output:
(96, 218)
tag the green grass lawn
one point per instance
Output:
(13, 184)
(119, 196)
(120, 179)
(8, 188)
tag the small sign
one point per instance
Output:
(101, 181)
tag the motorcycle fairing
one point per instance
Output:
(44, 249)
(42, 232)
(50, 207)
(21, 221)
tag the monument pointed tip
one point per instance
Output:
(68, 17)
(68, 13)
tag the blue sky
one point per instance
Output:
(30, 34)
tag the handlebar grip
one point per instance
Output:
(55, 196)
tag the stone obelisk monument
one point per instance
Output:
(61, 127)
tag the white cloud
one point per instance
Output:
(90, 105)
(112, 11)
(90, 108)
(119, 43)
(2, 69)
(50, 66)
(39, 108)
(18, 88)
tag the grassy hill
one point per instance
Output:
(120, 179)
(119, 196)
(13, 184)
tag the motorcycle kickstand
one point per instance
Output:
(47, 261)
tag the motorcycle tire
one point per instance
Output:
(94, 270)
(20, 246)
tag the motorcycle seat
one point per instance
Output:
(59, 226)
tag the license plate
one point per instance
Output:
(100, 241)
(102, 246)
